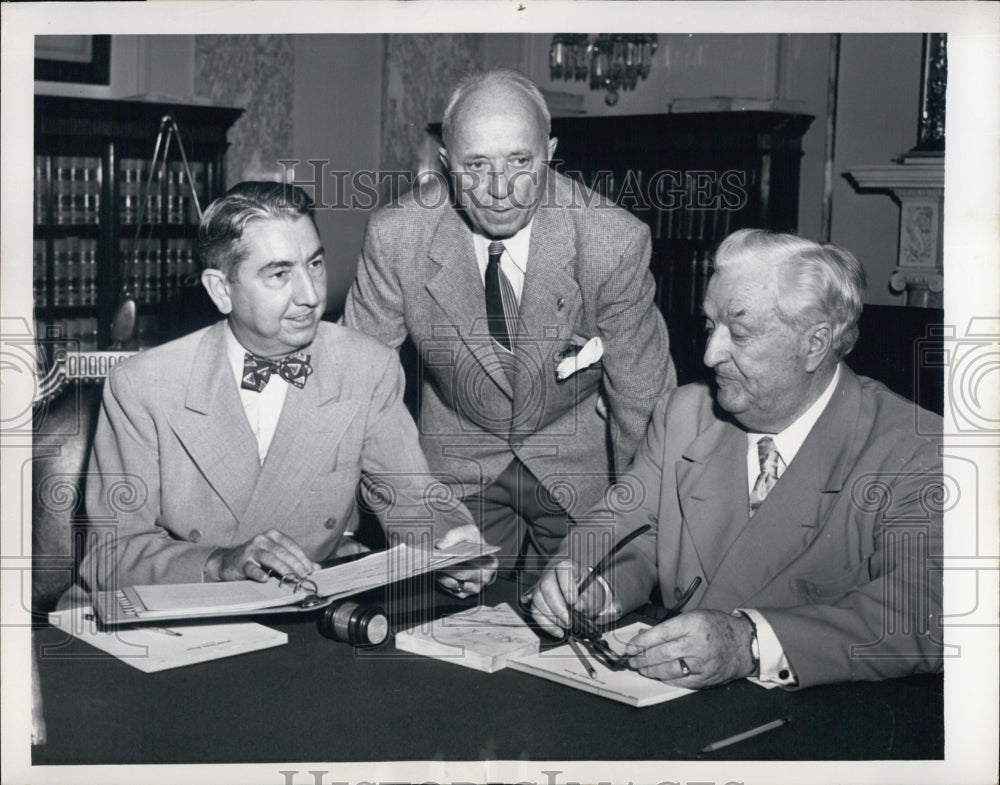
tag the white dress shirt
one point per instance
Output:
(262, 409)
(513, 263)
(775, 670)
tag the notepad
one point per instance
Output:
(482, 638)
(627, 686)
(152, 649)
(140, 603)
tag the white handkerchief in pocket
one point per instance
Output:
(591, 352)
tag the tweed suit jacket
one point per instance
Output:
(587, 275)
(175, 472)
(837, 558)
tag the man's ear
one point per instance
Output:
(217, 285)
(820, 344)
(552, 146)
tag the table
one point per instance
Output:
(317, 699)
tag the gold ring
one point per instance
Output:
(685, 670)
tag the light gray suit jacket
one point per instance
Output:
(840, 556)
(174, 470)
(587, 275)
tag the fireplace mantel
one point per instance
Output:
(916, 184)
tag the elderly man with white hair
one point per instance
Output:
(793, 504)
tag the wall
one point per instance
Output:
(878, 99)
(342, 86)
(336, 99)
(876, 121)
(251, 72)
(140, 64)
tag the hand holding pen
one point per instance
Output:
(567, 587)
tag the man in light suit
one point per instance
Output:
(496, 283)
(236, 451)
(793, 501)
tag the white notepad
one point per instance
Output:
(482, 638)
(626, 686)
(152, 649)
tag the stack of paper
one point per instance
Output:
(152, 649)
(627, 686)
(481, 638)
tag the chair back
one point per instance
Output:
(63, 424)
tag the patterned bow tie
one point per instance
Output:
(294, 369)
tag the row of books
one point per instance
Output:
(70, 276)
(148, 265)
(168, 198)
(73, 186)
(72, 271)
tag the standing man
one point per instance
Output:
(498, 282)
(793, 503)
(236, 451)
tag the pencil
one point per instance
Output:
(747, 734)
(582, 657)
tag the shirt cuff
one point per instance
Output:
(775, 670)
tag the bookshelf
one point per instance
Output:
(92, 160)
(694, 177)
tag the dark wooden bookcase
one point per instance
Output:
(92, 162)
(694, 178)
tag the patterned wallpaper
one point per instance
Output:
(420, 71)
(255, 73)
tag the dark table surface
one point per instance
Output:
(317, 699)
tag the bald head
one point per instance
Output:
(502, 88)
(497, 147)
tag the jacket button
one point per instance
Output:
(783, 674)
(330, 523)
(195, 535)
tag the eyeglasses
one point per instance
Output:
(587, 633)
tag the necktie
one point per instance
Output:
(498, 289)
(294, 369)
(769, 457)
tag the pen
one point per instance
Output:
(165, 631)
(747, 734)
(603, 563)
(582, 658)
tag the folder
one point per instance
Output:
(140, 603)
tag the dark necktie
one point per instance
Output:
(768, 456)
(294, 369)
(496, 282)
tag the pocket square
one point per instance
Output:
(591, 352)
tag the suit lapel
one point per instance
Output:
(795, 511)
(213, 428)
(458, 290)
(711, 489)
(542, 325)
(312, 423)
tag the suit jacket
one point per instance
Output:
(174, 470)
(587, 275)
(837, 558)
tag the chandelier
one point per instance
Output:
(613, 62)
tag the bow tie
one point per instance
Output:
(294, 369)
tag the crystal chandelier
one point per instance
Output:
(613, 62)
